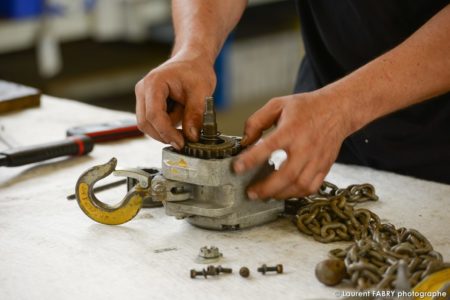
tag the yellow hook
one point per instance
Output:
(101, 212)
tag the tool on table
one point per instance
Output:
(15, 96)
(107, 131)
(77, 145)
(80, 141)
(196, 183)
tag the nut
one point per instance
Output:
(244, 272)
(211, 270)
(209, 252)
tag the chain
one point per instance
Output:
(372, 260)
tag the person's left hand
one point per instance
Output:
(310, 127)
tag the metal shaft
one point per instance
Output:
(209, 128)
(220, 269)
(195, 273)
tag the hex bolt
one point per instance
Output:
(220, 269)
(195, 273)
(244, 272)
(264, 269)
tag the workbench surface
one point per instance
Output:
(50, 250)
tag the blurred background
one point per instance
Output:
(94, 51)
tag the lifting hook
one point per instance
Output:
(104, 213)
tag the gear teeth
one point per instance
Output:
(229, 147)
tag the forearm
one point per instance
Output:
(202, 26)
(416, 70)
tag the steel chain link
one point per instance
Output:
(373, 258)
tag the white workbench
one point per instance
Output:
(50, 250)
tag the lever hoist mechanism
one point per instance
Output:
(196, 183)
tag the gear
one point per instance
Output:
(227, 146)
(212, 144)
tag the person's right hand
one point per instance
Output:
(187, 78)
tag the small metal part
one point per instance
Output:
(149, 202)
(211, 270)
(209, 254)
(220, 269)
(264, 269)
(244, 272)
(195, 273)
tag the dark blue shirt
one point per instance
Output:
(342, 35)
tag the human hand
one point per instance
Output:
(187, 78)
(310, 127)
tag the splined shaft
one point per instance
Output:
(209, 128)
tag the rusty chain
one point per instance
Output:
(372, 259)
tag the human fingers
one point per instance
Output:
(176, 114)
(142, 123)
(156, 94)
(261, 120)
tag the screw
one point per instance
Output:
(220, 269)
(195, 273)
(244, 272)
(263, 269)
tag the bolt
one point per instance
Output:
(211, 270)
(264, 269)
(220, 269)
(244, 272)
(159, 188)
(195, 273)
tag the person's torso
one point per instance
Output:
(339, 37)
